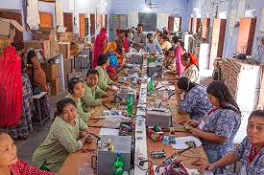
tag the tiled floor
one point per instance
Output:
(27, 147)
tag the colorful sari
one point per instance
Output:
(178, 51)
(11, 104)
(99, 46)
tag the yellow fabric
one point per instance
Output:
(111, 46)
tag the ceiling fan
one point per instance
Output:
(151, 5)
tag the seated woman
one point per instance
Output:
(9, 162)
(251, 151)
(36, 74)
(165, 43)
(220, 125)
(190, 62)
(77, 90)
(169, 61)
(94, 95)
(195, 101)
(63, 137)
(104, 82)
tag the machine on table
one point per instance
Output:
(108, 147)
(159, 116)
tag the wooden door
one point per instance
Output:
(171, 23)
(246, 35)
(45, 20)
(218, 37)
(68, 21)
(92, 21)
(206, 28)
(99, 22)
(82, 24)
(190, 24)
(15, 15)
(106, 21)
(196, 24)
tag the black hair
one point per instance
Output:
(181, 43)
(140, 25)
(258, 113)
(102, 59)
(122, 31)
(23, 65)
(165, 38)
(175, 39)
(92, 71)
(149, 34)
(167, 52)
(72, 83)
(220, 90)
(17, 46)
(62, 103)
(185, 84)
(30, 55)
(186, 55)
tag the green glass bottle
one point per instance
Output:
(130, 102)
(119, 165)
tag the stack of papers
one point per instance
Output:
(180, 142)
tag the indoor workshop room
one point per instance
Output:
(131, 87)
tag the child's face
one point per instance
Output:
(79, 89)
(92, 80)
(255, 130)
(8, 151)
(171, 54)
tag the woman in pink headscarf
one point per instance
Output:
(100, 45)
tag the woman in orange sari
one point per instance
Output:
(100, 45)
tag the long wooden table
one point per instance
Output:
(81, 159)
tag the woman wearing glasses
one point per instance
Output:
(67, 135)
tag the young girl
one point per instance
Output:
(10, 164)
(251, 151)
(63, 137)
(170, 62)
(219, 125)
(77, 91)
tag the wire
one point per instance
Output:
(145, 169)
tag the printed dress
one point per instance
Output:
(195, 102)
(224, 123)
(256, 167)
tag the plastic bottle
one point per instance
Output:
(130, 105)
(119, 165)
(150, 59)
(151, 85)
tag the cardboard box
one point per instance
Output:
(65, 49)
(8, 27)
(55, 86)
(43, 45)
(4, 42)
(54, 48)
(51, 71)
(44, 34)
(65, 37)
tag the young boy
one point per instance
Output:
(94, 95)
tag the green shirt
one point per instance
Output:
(92, 97)
(104, 80)
(61, 140)
(85, 115)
